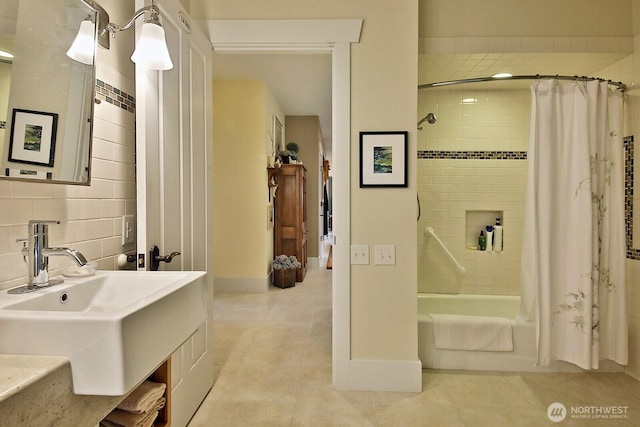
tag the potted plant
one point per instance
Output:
(291, 152)
(284, 271)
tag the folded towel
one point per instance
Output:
(461, 332)
(147, 421)
(120, 418)
(143, 398)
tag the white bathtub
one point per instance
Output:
(523, 356)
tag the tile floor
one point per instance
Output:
(273, 368)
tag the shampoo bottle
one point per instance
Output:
(497, 236)
(482, 241)
(489, 238)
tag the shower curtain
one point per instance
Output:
(574, 248)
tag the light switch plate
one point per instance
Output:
(385, 254)
(360, 254)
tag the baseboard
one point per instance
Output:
(241, 284)
(385, 375)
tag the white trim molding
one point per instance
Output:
(295, 32)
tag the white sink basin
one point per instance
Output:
(115, 327)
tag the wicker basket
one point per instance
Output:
(284, 278)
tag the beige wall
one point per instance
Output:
(242, 121)
(444, 18)
(91, 216)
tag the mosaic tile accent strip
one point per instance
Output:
(628, 197)
(473, 155)
(115, 96)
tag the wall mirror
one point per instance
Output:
(46, 98)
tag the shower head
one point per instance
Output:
(429, 118)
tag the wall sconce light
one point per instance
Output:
(151, 50)
(83, 46)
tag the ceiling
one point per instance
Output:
(301, 83)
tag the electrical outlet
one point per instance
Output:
(360, 254)
(385, 254)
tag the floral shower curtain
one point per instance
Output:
(574, 250)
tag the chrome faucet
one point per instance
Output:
(37, 253)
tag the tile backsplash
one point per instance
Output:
(91, 216)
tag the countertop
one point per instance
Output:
(20, 372)
(38, 391)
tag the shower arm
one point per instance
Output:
(459, 268)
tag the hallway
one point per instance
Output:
(273, 366)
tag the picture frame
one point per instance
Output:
(384, 159)
(27, 173)
(33, 137)
(277, 135)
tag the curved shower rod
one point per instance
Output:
(619, 85)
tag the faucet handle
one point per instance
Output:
(25, 248)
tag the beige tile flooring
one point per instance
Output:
(273, 368)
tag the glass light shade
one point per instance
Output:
(151, 51)
(83, 46)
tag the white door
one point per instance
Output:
(173, 160)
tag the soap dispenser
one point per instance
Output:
(489, 246)
(482, 241)
(497, 235)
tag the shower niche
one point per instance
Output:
(477, 220)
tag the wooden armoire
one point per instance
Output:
(290, 222)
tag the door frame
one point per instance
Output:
(333, 36)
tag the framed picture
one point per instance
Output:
(33, 137)
(277, 135)
(26, 173)
(383, 159)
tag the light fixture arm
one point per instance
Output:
(153, 18)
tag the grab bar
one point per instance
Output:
(430, 233)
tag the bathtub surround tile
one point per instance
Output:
(264, 379)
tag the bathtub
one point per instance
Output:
(521, 359)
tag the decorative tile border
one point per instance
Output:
(115, 96)
(628, 197)
(473, 155)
